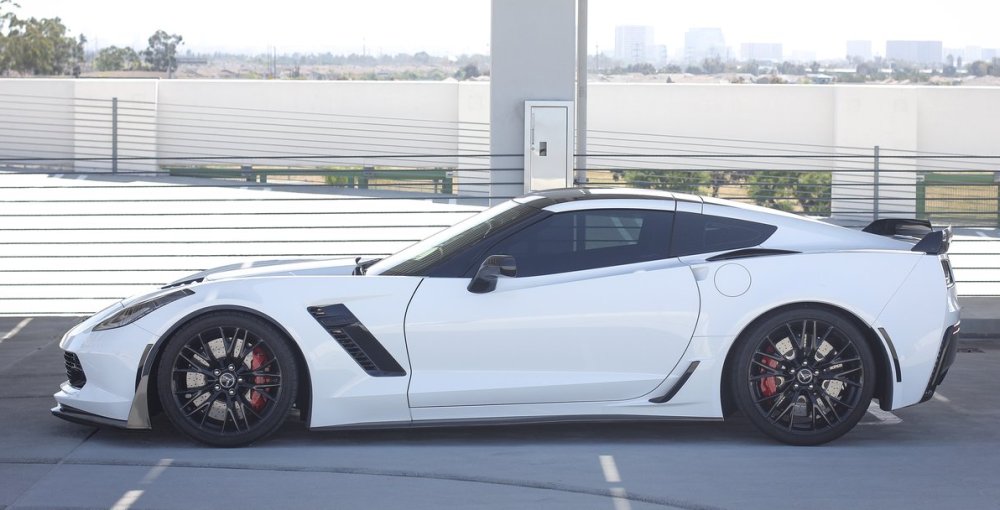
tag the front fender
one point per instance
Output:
(341, 391)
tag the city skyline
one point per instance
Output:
(453, 27)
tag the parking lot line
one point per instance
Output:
(127, 500)
(17, 329)
(884, 417)
(610, 469)
(156, 471)
(620, 499)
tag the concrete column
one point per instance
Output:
(533, 57)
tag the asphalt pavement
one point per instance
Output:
(941, 454)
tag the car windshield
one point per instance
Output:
(415, 259)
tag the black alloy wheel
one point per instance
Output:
(804, 376)
(227, 379)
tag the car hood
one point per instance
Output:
(259, 268)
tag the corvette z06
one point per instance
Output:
(577, 304)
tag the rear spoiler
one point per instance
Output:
(931, 242)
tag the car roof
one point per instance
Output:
(542, 199)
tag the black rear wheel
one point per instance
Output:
(804, 376)
(227, 379)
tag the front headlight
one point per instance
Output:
(136, 311)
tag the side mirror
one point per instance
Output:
(493, 267)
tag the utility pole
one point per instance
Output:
(581, 93)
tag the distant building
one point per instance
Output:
(915, 52)
(972, 53)
(802, 56)
(990, 53)
(859, 49)
(704, 43)
(634, 44)
(762, 52)
(658, 54)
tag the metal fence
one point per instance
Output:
(101, 199)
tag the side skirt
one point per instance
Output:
(516, 420)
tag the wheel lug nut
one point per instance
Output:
(810, 386)
(217, 372)
(796, 386)
(232, 392)
(231, 368)
(804, 363)
(217, 387)
(239, 380)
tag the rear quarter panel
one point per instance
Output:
(861, 282)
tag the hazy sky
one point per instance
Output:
(463, 26)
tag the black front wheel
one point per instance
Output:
(227, 379)
(804, 376)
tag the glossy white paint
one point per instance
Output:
(599, 342)
(602, 334)
(916, 318)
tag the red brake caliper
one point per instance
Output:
(769, 385)
(259, 359)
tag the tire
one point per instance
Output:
(227, 379)
(804, 376)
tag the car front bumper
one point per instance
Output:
(103, 369)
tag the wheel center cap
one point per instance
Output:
(805, 376)
(227, 380)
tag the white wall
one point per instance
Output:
(173, 121)
(37, 121)
(258, 120)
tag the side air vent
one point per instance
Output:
(356, 340)
(74, 371)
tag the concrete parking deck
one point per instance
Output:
(941, 454)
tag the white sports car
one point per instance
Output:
(577, 304)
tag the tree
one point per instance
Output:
(782, 189)
(161, 54)
(40, 47)
(642, 68)
(79, 55)
(979, 68)
(7, 17)
(713, 65)
(114, 58)
(467, 72)
(684, 181)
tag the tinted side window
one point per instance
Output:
(699, 233)
(577, 240)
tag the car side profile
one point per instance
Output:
(576, 304)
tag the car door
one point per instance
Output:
(598, 311)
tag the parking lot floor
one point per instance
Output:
(941, 454)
